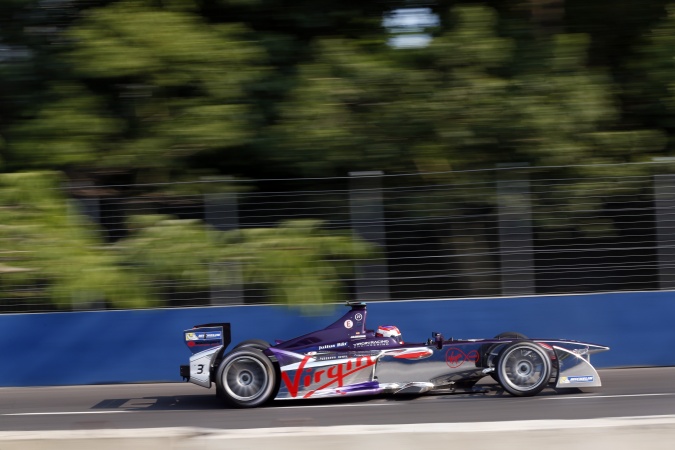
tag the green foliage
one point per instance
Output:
(71, 130)
(181, 80)
(165, 85)
(178, 89)
(297, 262)
(652, 93)
(49, 252)
(180, 86)
(162, 248)
(469, 100)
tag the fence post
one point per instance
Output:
(221, 211)
(664, 199)
(515, 231)
(90, 207)
(367, 217)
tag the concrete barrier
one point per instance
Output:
(146, 345)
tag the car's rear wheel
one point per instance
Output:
(260, 344)
(246, 378)
(523, 368)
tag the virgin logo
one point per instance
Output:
(333, 376)
(455, 357)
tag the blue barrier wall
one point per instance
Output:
(147, 345)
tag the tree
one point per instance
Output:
(471, 99)
(147, 88)
(651, 90)
(52, 256)
(297, 262)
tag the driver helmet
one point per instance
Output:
(389, 331)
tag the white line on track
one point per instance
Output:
(587, 397)
(65, 413)
(357, 405)
(347, 405)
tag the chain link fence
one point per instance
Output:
(510, 231)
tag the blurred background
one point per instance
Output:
(173, 153)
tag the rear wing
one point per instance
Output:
(207, 335)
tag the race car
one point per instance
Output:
(347, 359)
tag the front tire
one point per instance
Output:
(490, 348)
(523, 368)
(246, 378)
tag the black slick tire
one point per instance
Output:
(523, 368)
(246, 378)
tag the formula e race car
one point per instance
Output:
(346, 358)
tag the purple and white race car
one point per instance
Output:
(346, 358)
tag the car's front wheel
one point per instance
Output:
(487, 350)
(523, 368)
(246, 378)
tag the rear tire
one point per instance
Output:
(259, 344)
(523, 368)
(246, 378)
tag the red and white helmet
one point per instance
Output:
(389, 331)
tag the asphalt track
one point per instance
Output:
(625, 392)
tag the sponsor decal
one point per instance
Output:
(358, 317)
(349, 324)
(363, 336)
(203, 339)
(415, 353)
(584, 379)
(329, 346)
(203, 343)
(328, 357)
(579, 379)
(372, 343)
(210, 336)
(334, 376)
(455, 357)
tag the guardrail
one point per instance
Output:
(146, 345)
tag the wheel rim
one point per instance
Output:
(524, 368)
(245, 378)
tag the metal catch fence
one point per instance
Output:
(509, 231)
